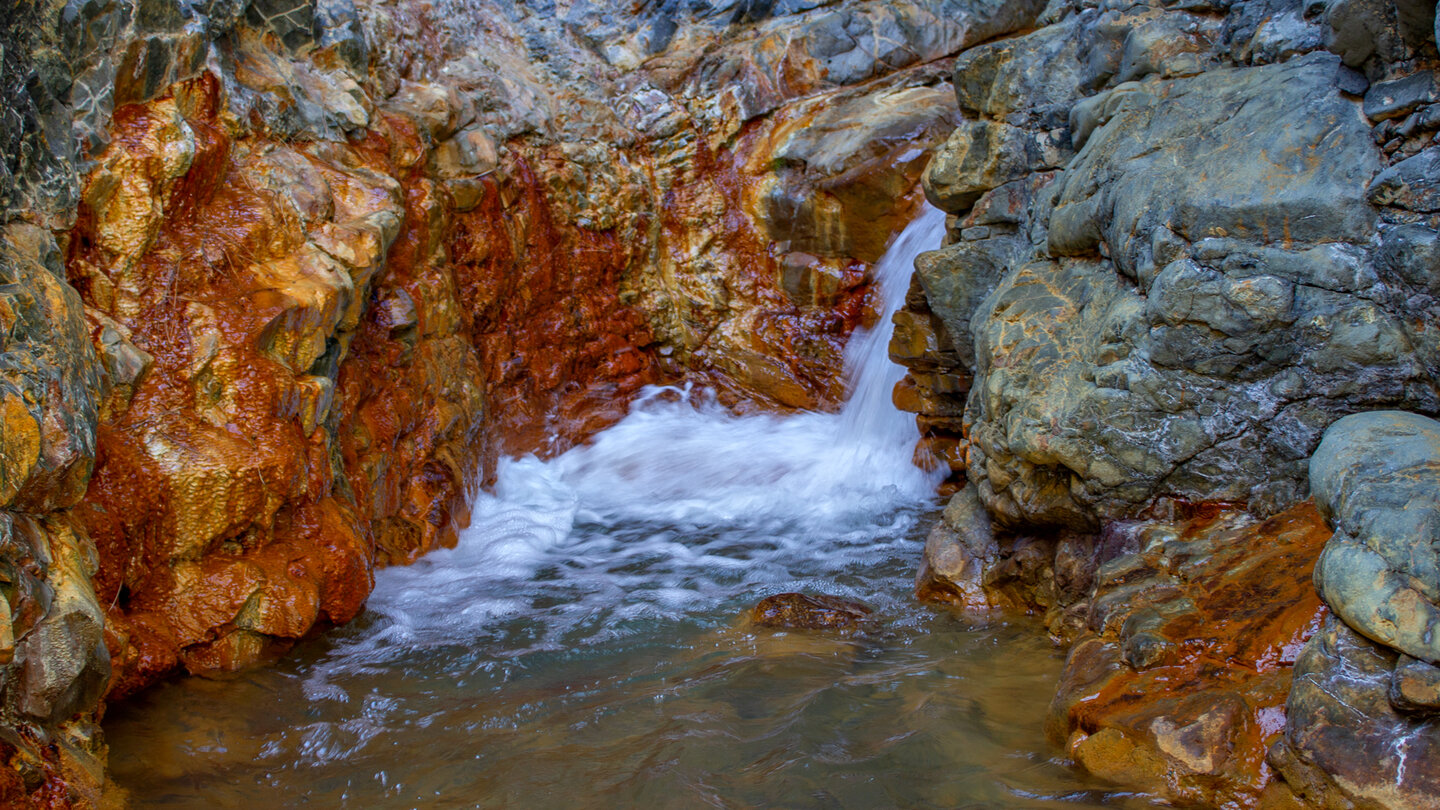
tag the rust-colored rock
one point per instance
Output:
(1180, 687)
(310, 345)
(802, 611)
(229, 517)
(541, 300)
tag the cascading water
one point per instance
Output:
(579, 647)
(869, 416)
(679, 508)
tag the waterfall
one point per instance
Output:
(682, 509)
(584, 644)
(869, 413)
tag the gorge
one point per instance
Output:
(293, 289)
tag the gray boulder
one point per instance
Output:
(1376, 478)
(1184, 156)
(1390, 30)
(1412, 184)
(1207, 306)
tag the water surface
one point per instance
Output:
(582, 646)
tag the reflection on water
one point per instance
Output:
(924, 712)
(579, 647)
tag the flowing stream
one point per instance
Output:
(583, 646)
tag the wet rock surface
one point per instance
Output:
(53, 662)
(1185, 241)
(802, 611)
(1361, 728)
(1153, 300)
(1179, 684)
(282, 277)
(1346, 743)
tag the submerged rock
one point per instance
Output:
(800, 611)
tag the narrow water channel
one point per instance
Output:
(582, 645)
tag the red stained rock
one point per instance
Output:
(323, 355)
(1180, 687)
(282, 441)
(562, 354)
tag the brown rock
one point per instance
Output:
(1180, 688)
(799, 611)
(1345, 744)
(1415, 686)
(844, 167)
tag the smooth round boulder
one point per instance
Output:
(1376, 479)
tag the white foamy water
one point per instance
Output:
(680, 509)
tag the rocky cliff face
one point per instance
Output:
(1186, 240)
(283, 278)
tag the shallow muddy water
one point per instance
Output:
(583, 645)
(926, 711)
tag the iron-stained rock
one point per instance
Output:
(801, 611)
(1144, 698)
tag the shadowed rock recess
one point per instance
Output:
(283, 278)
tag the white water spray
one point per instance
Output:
(580, 646)
(680, 509)
(869, 416)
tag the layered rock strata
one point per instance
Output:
(1178, 685)
(284, 276)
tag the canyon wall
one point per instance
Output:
(284, 277)
(1187, 240)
